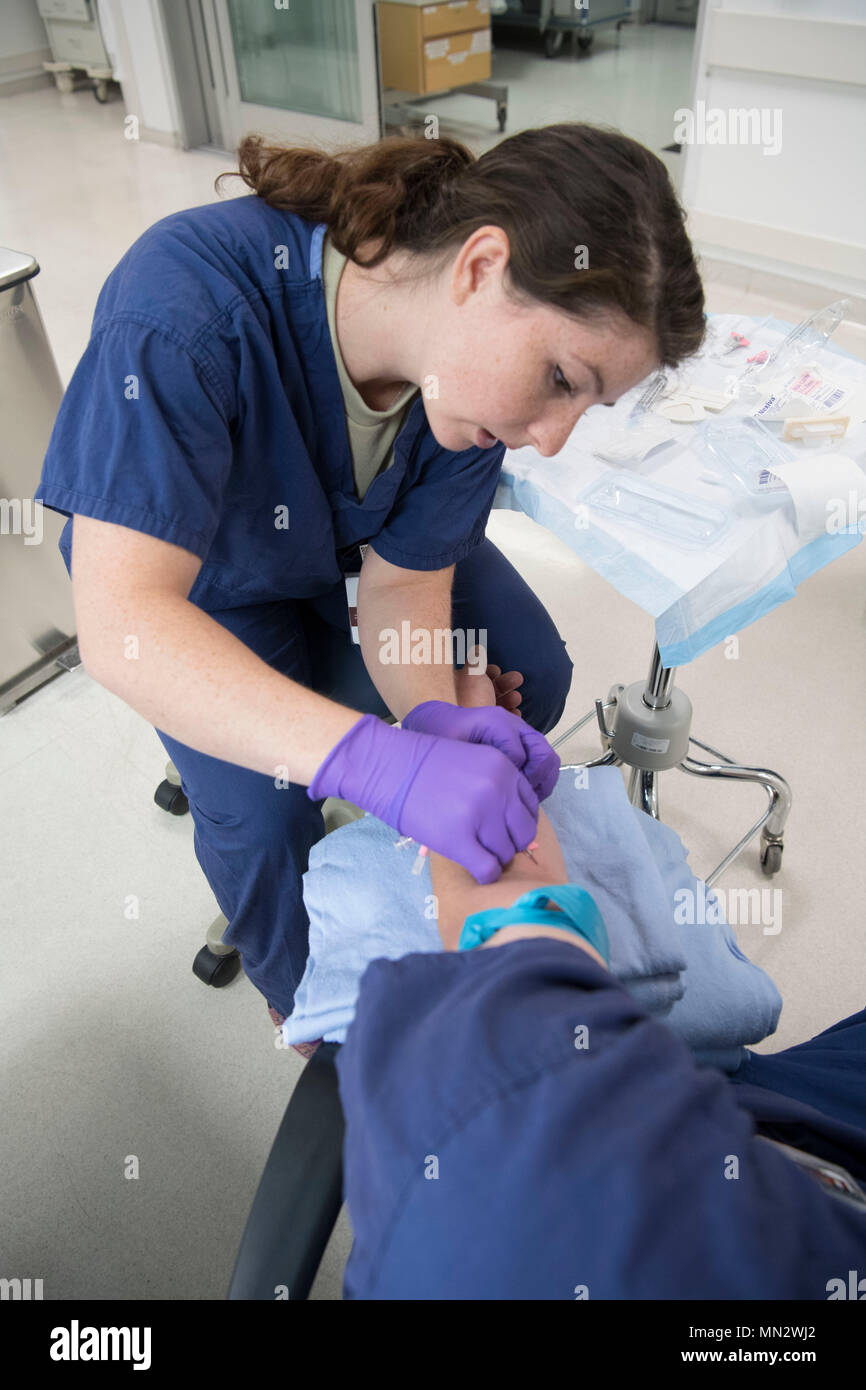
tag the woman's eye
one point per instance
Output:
(562, 383)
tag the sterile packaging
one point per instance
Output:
(635, 442)
(658, 384)
(810, 389)
(691, 402)
(816, 429)
(733, 346)
(703, 384)
(804, 341)
(672, 515)
(742, 450)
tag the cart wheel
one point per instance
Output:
(585, 42)
(216, 970)
(65, 81)
(771, 859)
(100, 91)
(170, 798)
(553, 42)
(501, 114)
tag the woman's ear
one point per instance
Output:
(481, 261)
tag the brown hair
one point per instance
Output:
(552, 190)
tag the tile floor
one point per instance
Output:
(97, 1009)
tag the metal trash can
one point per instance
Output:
(37, 619)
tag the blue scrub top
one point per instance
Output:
(487, 1156)
(207, 411)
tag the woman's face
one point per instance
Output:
(493, 368)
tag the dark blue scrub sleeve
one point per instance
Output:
(440, 522)
(517, 1127)
(142, 438)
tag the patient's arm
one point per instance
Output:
(459, 894)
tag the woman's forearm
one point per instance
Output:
(198, 683)
(402, 627)
(141, 638)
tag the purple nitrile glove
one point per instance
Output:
(467, 802)
(525, 747)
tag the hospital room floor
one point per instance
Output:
(111, 1046)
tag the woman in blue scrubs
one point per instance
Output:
(338, 361)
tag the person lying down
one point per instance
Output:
(519, 1127)
(365, 902)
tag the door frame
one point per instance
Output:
(208, 87)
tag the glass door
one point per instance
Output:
(302, 70)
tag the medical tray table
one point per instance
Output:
(761, 559)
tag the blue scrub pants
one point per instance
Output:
(253, 839)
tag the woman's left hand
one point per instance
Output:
(488, 687)
(527, 749)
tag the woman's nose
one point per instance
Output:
(549, 436)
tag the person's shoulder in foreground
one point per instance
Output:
(517, 1127)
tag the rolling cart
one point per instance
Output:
(406, 112)
(425, 49)
(553, 19)
(78, 51)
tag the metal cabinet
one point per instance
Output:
(79, 10)
(76, 43)
(676, 11)
(37, 620)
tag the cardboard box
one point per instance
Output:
(454, 17)
(456, 59)
(418, 54)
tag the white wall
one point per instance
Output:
(136, 40)
(21, 30)
(23, 45)
(801, 211)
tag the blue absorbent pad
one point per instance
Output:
(364, 903)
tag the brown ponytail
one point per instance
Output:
(553, 191)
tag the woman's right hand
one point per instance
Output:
(466, 801)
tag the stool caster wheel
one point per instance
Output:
(216, 970)
(771, 858)
(170, 798)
